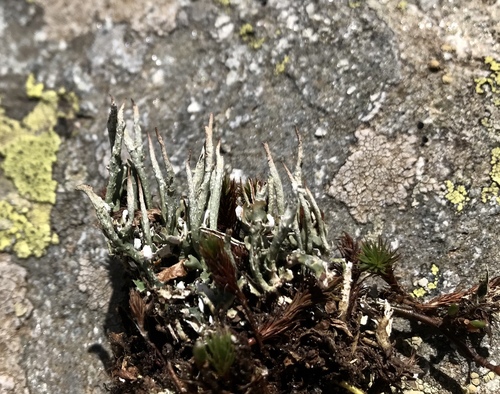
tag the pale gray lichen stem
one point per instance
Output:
(136, 151)
(284, 228)
(102, 211)
(276, 184)
(346, 291)
(199, 184)
(319, 221)
(112, 123)
(300, 158)
(306, 212)
(146, 229)
(203, 188)
(116, 129)
(216, 188)
(313, 263)
(255, 251)
(131, 203)
(170, 177)
(160, 181)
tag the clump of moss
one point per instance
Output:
(234, 288)
(217, 351)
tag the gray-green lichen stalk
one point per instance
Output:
(276, 234)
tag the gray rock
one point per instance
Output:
(331, 69)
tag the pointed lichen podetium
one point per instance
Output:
(270, 233)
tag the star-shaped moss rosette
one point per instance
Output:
(233, 288)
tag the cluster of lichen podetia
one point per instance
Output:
(235, 289)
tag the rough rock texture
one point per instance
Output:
(15, 309)
(382, 80)
(66, 19)
(377, 174)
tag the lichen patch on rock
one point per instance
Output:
(378, 173)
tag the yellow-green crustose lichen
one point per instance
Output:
(402, 6)
(281, 67)
(247, 34)
(490, 85)
(28, 149)
(427, 284)
(492, 191)
(492, 80)
(457, 195)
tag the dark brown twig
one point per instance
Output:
(436, 323)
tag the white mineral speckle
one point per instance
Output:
(222, 20)
(223, 26)
(320, 132)
(158, 77)
(194, 107)
(226, 31)
(239, 212)
(270, 220)
(237, 175)
(147, 252)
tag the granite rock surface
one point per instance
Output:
(384, 92)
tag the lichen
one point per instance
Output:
(428, 284)
(226, 273)
(457, 195)
(378, 173)
(248, 35)
(29, 150)
(492, 80)
(402, 6)
(281, 66)
(245, 31)
(26, 231)
(28, 162)
(33, 89)
(490, 87)
(491, 192)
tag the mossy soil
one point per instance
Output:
(305, 348)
